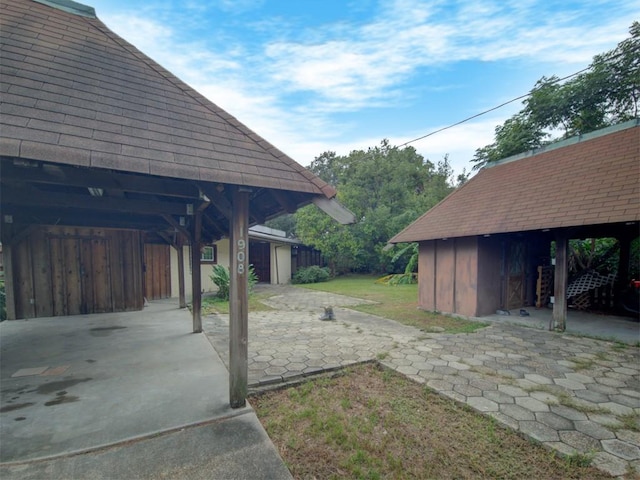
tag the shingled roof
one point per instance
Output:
(95, 133)
(75, 93)
(588, 180)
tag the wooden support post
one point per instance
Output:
(559, 317)
(181, 294)
(196, 303)
(623, 262)
(7, 236)
(10, 298)
(238, 299)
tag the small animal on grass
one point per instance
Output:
(328, 314)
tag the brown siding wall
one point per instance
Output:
(69, 271)
(466, 276)
(427, 275)
(448, 275)
(445, 275)
(489, 283)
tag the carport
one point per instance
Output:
(123, 395)
(104, 151)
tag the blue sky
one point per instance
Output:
(317, 75)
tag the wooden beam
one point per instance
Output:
(98, 178)
(181, 294)
(175, 224)
(218, 201)
(335, 210)
(35, 197)
(218, 230)
(559, 316)
(238, 299)
(284, 201)
(196, 287)
(43, 215)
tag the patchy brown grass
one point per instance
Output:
(372, 423)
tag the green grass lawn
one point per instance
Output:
(396, 302)
(212, 304)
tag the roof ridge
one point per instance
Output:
(70, 7)
(582, 137)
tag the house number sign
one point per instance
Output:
(241, 256)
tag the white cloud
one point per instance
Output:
(290, 90)
(369, 62)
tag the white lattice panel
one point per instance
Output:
(589, 281)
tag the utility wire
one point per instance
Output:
(490, 109)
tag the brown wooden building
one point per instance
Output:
(480, 248)
(103, 151)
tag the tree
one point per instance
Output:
(606, 94)
(387, 188)
(285, 222)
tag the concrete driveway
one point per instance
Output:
(123, 395)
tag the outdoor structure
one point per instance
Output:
(273, 255)
(104, 153)
(485, 247)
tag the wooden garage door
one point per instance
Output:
(157, 271)
(72, 270)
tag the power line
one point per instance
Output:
(489, 110)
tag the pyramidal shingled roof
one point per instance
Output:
(74, 92)
(588, 180)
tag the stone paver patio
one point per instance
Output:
(573, 394)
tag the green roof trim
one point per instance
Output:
(70, 7)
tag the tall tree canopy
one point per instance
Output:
(605, 94)
(387, 188)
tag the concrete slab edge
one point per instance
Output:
(280, 382)
(133, 439)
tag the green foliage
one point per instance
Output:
(410, 251)
(3, 301)
(221, 278)
(606, 94)
(312, 274)
(399, 279)
(387, 188)
(600, 254)
(286, 223)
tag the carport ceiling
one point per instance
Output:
(42, 193)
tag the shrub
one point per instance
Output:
(221, 278)
(312, 274)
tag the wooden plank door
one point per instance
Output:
(97, 291)
(260, 258)
(66, 276)
(516, 256)
(157, 271)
